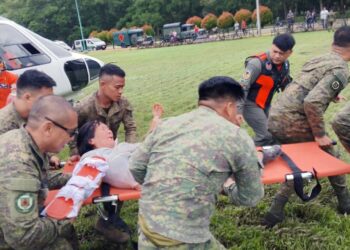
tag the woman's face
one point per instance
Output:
(103, 137)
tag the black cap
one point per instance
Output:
(284, 42)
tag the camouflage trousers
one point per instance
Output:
(69, 242)
(62, 244)
(341, 126)
(145, 244)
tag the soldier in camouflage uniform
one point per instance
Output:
(24, 182)
(31, 85)
(341, 126)
(110, 107)
(183, 164)
(297, 115)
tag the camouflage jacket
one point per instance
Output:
(298, 111)
(341, 126)
(120, 112)
(10, 119)
(23, 189)
(183, 164)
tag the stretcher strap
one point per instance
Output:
(298, 180)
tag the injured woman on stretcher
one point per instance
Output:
(103, 159)
(96, 139)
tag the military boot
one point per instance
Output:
(110, 232)
(276, 214)
(339, 185)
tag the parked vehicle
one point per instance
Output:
(84, 44)
(177, 32)
(22, 49)
(99, 44)
(126, 38)
(145, 41)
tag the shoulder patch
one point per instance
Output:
(342, 77)
(335, 85)
(268, 65)
(246, 75)
(24, 203)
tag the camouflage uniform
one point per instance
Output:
(341, 126)
(119, 112)
(10, 119)
(182, 165)
(23, 188)
(297, 115)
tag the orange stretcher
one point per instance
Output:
(308, 156)
(115, 193)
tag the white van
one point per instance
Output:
(90, 44)
(22, 49)
(99, 44)
(84, 44)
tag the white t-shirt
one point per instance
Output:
(324, 14)
(118, 174)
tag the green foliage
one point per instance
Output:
(225, 21)
(57, 19)
(93, 33)
(209, 21)
(196, 20)
(104, 36)
(148, 29)
(266, 16)
(243, 14)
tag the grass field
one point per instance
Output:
(171, 76)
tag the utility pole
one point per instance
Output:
(81, 27)
(258, 26)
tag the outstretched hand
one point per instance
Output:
(157, 110)
(324, 141)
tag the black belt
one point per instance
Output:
(298, 180)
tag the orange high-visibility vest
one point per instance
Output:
(270, 79)
(6, 81)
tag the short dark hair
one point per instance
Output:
(220, 87)
(86, 132)
(284, 42)
(111, 69)
(342, 37)
(33, 80)
(47, 106)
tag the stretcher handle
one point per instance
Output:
(304, 176)
(103, 199)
